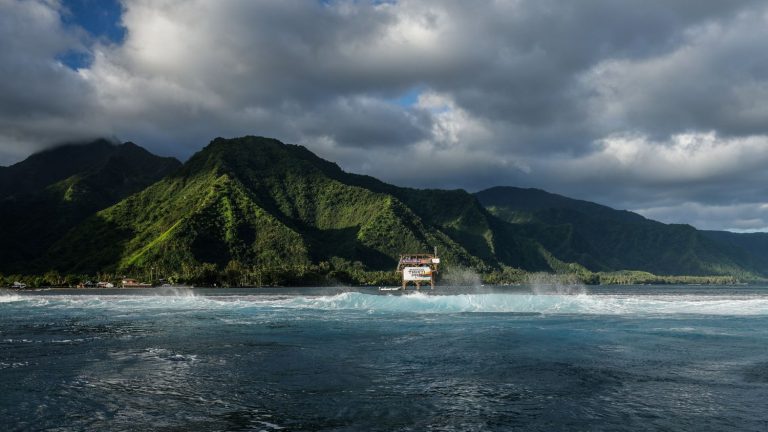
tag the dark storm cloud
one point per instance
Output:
(652, 105)
(525, 65)
(716, 81)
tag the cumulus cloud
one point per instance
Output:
(40, 98)
(640, 105)
(715, 78)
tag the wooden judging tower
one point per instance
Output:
(418, 268)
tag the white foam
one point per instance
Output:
(8, 298)
(418, 303)
(547, 304)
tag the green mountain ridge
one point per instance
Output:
(260, 203)
(82, 180)
(279, 214)
(604, 239)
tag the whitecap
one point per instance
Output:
(420, 302)
(9, 298)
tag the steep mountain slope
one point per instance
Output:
(603, 239)
(262, 203)
(45, 205)
(752, 247)
(460, 216)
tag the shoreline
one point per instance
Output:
(440, 290)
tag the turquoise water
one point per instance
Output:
(526, 358)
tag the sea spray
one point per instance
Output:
(546, 283)
(175, 291)
(461, 276)
(7, 296)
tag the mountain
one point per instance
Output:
(51, 166)
(753, 247)
(603, 239)
(259, 203)
(50, 192)
(253, 210)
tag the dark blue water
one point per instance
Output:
(632, 358)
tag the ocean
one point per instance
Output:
(533, 358)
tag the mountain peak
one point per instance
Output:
(256, 154)
(52, 165)
(131, 146)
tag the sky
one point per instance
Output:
(655, 106)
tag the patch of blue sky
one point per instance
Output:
(75, 59)
(100, 18)
(409, 98)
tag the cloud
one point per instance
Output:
(632, 171)
(715, 78)
(41, 99)
(640, 105)
(737, 217)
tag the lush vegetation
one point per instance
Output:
(605, 240)
(278, 212)
(253, 211)
(58, 189)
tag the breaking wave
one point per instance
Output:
(8, 298)
(414, 303)
(534, 303)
